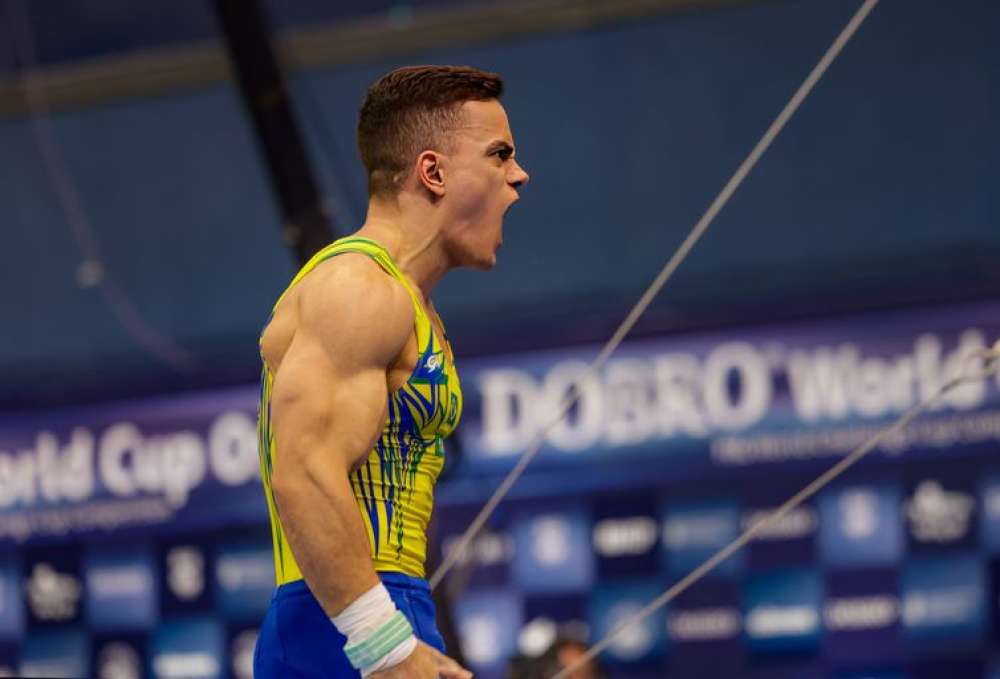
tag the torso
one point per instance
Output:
(394, 484)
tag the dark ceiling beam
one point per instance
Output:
(265, 95)
(165, 71)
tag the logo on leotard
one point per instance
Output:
(433, 362)
(452, 410)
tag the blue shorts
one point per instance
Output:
(298, 641)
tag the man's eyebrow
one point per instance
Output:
(499, 145)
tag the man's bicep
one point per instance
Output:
(326, 409)
(352, 323)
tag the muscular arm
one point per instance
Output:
(328, 405)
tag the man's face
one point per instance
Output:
(481, 181)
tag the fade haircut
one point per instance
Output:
(410, 110)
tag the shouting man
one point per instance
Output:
(359, 386)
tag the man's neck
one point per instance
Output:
(412, 236)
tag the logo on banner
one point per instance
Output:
(186, 572)
(119, 660)
(728, 389)
(53, 596)
(488, 621)
(241, 651)
(939, 515)
(704, 624)
(550, 540)
(625, 537)
(859, 512)
(796, 524)
(611, 605)
(783, 610)
(126, 462)
(634, 641)
(480, 631)
(861, 525)
(990, 502)
(944, 599)
(553, 552)
(854, 614)
(693, 531)
(191, 648)
(488, 548)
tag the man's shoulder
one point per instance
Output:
(352, 290)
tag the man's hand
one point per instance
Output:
(425, 663)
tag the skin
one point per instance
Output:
(569, 655)
(342, 339)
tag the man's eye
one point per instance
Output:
(503, 154)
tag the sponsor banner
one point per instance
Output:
(795, 391)
(241, 646)
(693, 531)
(488, 622)
(119, 657)
(944, 602)
(55, 653)
(171, 461)
(862, 616)
(705, 617)
(994, 570)
(189, 649)
(626, 535)
(487, 561)
(707, 625)
(989, 513)
(611, 605)
(783, 611)
(861, 526)
(705, 631)
(8, 660)
(120, 589)
(566, 611)
(709, 401)
(552, 552)
(788, 541)
(185, 566)
(11, 600)
(244, 579)
(940, 514)
(53, 587)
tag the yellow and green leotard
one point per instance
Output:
(394, 487)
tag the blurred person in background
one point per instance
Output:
(563, 652)
(359, 385)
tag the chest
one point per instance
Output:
(426, 347)
(425, 397)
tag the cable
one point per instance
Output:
(661, 279)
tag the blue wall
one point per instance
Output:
(882, 189)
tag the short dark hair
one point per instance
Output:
(405, 112)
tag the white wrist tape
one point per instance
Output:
(378, 635)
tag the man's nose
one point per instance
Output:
(518, 176)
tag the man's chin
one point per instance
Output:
(483, 260)
(484, 264)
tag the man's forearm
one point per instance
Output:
(327, 535)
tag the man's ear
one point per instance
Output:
(430, 172)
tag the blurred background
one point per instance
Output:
(164, 166)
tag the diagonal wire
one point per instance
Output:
(992, 363)
(661, 279)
